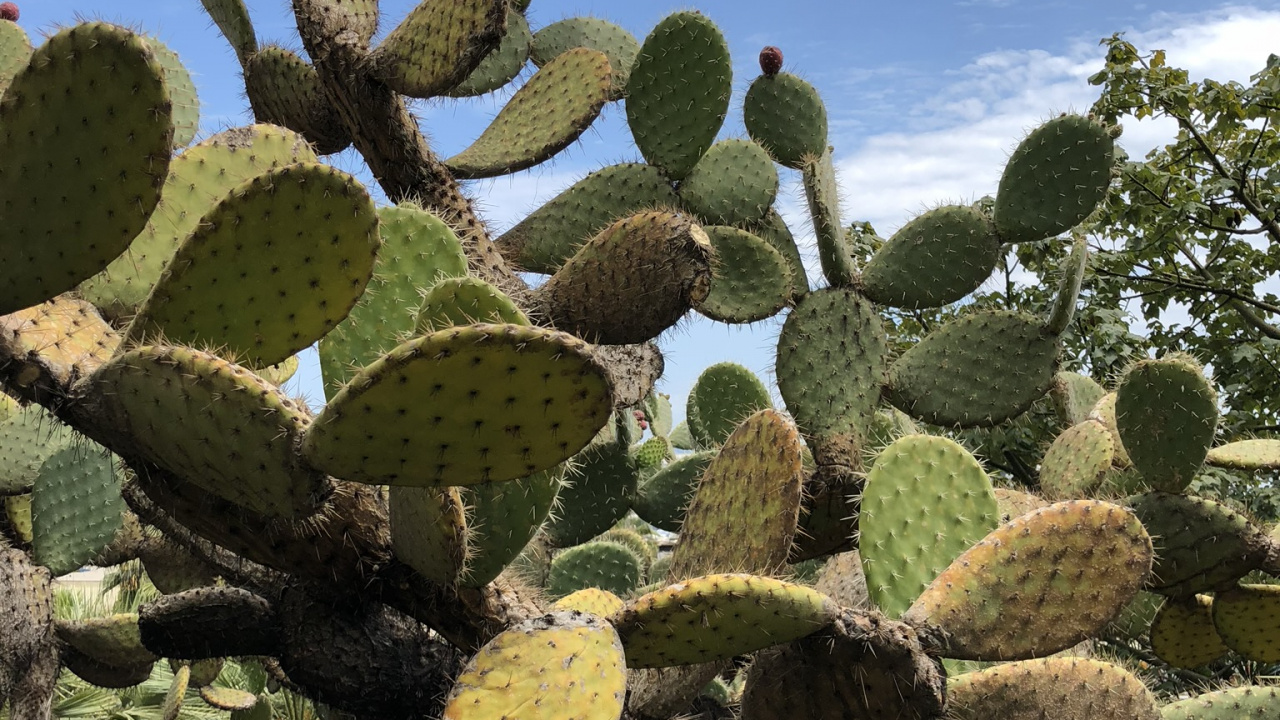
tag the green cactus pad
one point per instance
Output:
(61, 222)
(646, 550)
(734, 183)
(661, 500)
(1257, 454)
(465, 301)
(674, 114)
(597, 493)
(28, 438)
(1135, 620)
(744, 514)
(1003, 598)
(1201, 546)
(562, 664)
(551, 235)
(1250, 702)
(658, 410)
(76, 508)
(926, 501)
(463, 406)
(936, 259)
(1245, 618)
(429, 531)
(591, 600)
(723, 396)
(716, 617)
(182, 93)
(232, 18)
(1167, 414)
(285, 90)
(1064, 303)
(751, 280)
(980, 369)
(682, 438)
(588, 32)
(831, 362)
(290, 250)
(773, 230)
(1054, 179)
(787, 116)
(1065, 688)
(502, 518)
(502, 64)
(112, 640)
(438, 45)
(418, 250)
(834, 252)
(1105, 410)
(1077, 461)
(198, 180)
(544, 117)
(632, 281)
(1074, 396)
(1182, 633)
(652, 453)
(604, 565)
(229, 432)
(15, 52)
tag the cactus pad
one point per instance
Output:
(284, 90)
(1257, 454)
(751, 280)
(926, 501)
(17, 510)
(1015, 503)
(660, 81)
(744, 515)
(1054, 179)
(590, 600)
(502, 64)
(1182, 633)
(1245, 617)
(588, 32)
(542, 118)
(518, 400)
(225, 698)
(1061, 688)
(1064, 303)
(290, 250)
(1105, 410)
(1167, 414)
(465, 301)
(59, 136)
(787, 116)
(182, 93)
(1077, 461)
(773, 230)
(1074, 396)
(936, 259)
(66, 333)
(734, 183)
(230, 432)
(716, 617)
(1003, 599)
(604, 565)
(724, 395)
(661, 500)
(429, 531)
(438, 45)
(232, 18)
(15, 52)
(558, 665)
(980, 369)
(1250, 702)
(820, 189)
(28, 438)
(596, 494)
(76, 508)
(502, 519)
(112, 640)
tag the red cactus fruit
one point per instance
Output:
(771, 60)
(9, 11)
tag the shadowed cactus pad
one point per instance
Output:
(429, 531)
(751, 280)
(1002, 599)
(724, 395)
(1074, 396)
(662, 498)
(76, 508)
(1059, 688)
(462, 406)
(608, 566)
(716, 617)
(588, 32)
(60, 130)
(1200, 545)
(502, 64)
(1182, 633)
(936, 259)
(28, 438)
(1246, 620)
(284, 90)
(438, 44)
(1166, 413)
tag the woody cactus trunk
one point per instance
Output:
(388, 555)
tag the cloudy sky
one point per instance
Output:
(926, 99)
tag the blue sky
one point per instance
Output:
(925, 100)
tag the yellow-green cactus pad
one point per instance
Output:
(463, 406)
(15, 52)
(717, 617)
(1064, 303)
(1167, 414)
(198, 180)
(17, 509)
(926, 500)
(1077, 461)
(743, 517)
(68, 336)
(177, 693)
(182, 93)
(591, 600)
(270, 269)
(76, 508)
(588, 32)
(225, 698)
(543, 118)
(1250, 702)
(229, 432)
(1257, 454)
(61, 220)
(563, 664)
(1059, 688)
(1183, 635)
(502, 64)
(1245, 617)
(283, 89)
(439, 44)
(674, 114)
(1105, 410)
(429, 531)
(466, 301)
(112, 640)
(1004, 598)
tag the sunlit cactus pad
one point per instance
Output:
(1061, 688)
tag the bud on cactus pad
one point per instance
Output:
(770, 60)
(9, 11)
